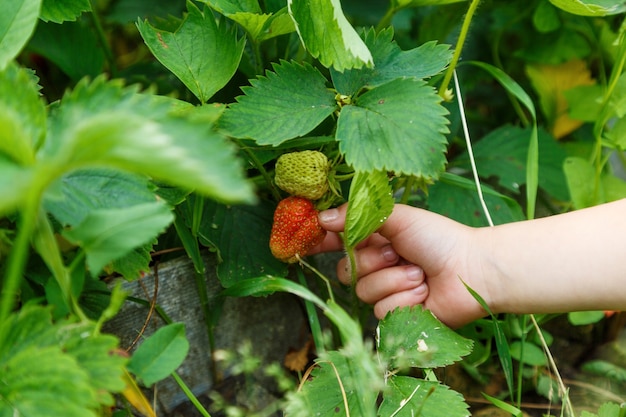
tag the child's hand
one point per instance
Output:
(416, 257)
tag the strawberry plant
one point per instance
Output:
(225, 126)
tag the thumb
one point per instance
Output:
(333, 219)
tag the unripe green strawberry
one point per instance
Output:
(303, 174)
(296, 229)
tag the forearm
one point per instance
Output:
(569, 262)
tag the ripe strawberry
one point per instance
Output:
(303, 174)
(296, 229)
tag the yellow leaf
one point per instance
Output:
(550, 82)
(135, 396)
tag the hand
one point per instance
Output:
(416, 257)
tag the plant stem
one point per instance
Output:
(606, 113)
(190, 395)
(314, 321)
(459, 47)
(258, 165)
(387, 18)
(102, 39)
(408, 186)
(19, 254)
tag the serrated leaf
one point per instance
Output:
(160, 354)
(59, 11)
(203, 55)
(590, 8)
(259, 26)
(80, 192)
(43, 382)
(109, 234)
(101, 123)
(412, 336)
(398, 126)
(335, 381)
(327, 34)
(96, 356)
(22, 114)
(135, 262)
(390, 62)
(285, 104)
(408, 397)
(84, 58)
(17, 23)
(241, 235)
(370, 203)
(56, 368)
(456, 197)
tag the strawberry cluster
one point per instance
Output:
(296, 228)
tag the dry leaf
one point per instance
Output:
(296, 360)
(550, 82)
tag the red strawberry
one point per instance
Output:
(296, 229)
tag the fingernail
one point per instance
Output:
(389, 254)
(328, 216)
(420, 289)
(414, 273)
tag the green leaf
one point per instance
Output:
(456, 197)
(581, 318)
(580, 176)
(286, 103)
(56, 368)
(109, 234)
(335, 376)
(241, 235)
(370, 203)
(75, 195)
(160, 354)
(532, 160)
(327, 34)
(503, 153)
(259, 26)
(101, 123)
(546, 18)
(59, 11)
(605, 369)
(22, 114)
(502, 345)
(390, 62)
(515, 412)
(14, 185)
(96, 355)
(528, 353)
(584, 102)
(420, 3)
(203, 55)
(84, 58)
(398, 126)
(17, 23)
(408, 397)
(590, 8)
(267, 285)
(135, 262)
(229, 7)
(414, 337)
